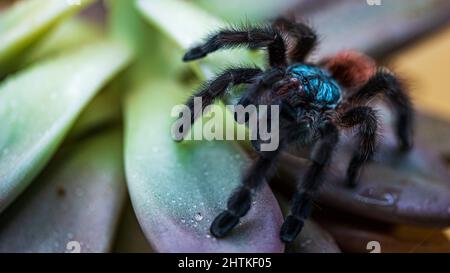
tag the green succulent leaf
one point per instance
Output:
(253, 10)
(27, 21)
(39, 105)
(177, 189)
(103, 111)
(82, 190)
(68, 35)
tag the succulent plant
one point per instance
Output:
(85, 127)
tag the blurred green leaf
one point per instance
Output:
(27, 21)
(251, 10)
(70, 34)
(104, 110)
(78, 198)
(39, 105)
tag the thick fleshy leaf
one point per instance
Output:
(413, 188)
(27, 21)
(177, 189)
(38, 106)
(76, 200)
(234, 10)
(104, 110)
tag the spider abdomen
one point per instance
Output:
(316, 85)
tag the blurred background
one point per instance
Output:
(410, 36)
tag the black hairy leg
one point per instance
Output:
(302, 201)
(251, 37)
(217, 87)
(385, 83)
(240, 201)
(260, 84)
(364, 117)
(305, 38)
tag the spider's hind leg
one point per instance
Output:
(385, 83)
(364, 117)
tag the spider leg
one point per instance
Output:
(239, 202)
(366, 118)
(217, 87)
(305, 36)
(302, 201)
(384, 82)
(261, 83)
(251, 37)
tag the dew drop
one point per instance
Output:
(198, 217)
(183, 220)
(306, 243)
(390, 198)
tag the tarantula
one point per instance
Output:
(316, 102)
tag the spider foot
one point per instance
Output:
(291, 228)
(194, 54)
(223, 224)
(406, 144)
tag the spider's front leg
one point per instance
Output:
(251, 37)
(384, 82)
(364, 117)
(239, 202)
(216, 88)
(302, 200)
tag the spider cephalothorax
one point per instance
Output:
(317, 102)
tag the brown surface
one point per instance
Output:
(427, 66)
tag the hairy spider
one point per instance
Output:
(317, 101)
